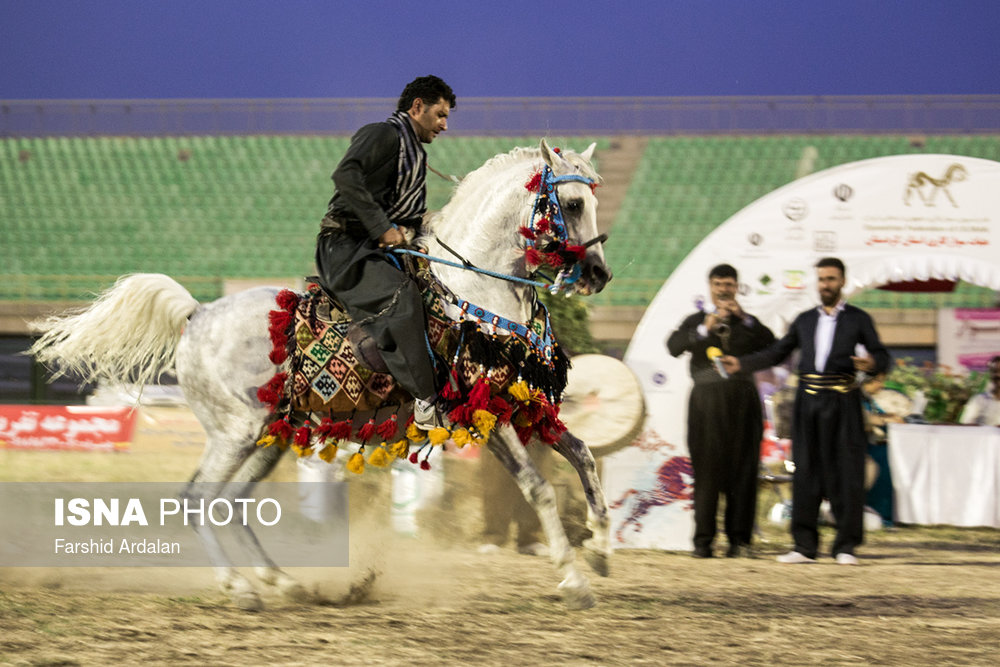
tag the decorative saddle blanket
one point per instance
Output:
(498, 371)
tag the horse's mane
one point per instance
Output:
(482, 180)
(496, 164)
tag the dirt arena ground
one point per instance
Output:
(922, 596)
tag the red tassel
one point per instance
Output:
(479, 397)
(413, 457)
(501, 408)
(270, 393)
(287, 300)
(278, 355)
(533, 257)
(387, 429)
(424, 465)
(341, 430)
(281, 429)
(535, 183)
(577, 251)
(302, 436)
(527, 233)
(367, 431)
(543, 226)
(324, 429)
(279, 320)
(450, 391)
(523, 434)
(461, 415)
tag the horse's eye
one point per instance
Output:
(574, 205)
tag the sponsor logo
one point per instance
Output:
(926, 187)
(794, 279)
(795, 209)
(763, 284)
(824, 241)
(843, 192)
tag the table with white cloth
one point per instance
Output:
(943, 474)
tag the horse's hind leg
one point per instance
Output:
(221, 460)
(597, 549)
(257, 466)
(542, 497)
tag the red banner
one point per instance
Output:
(78, 427)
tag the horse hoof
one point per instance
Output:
(247, 601)
(576, 592)
(286, 586)
(599, 561)
(297, 593)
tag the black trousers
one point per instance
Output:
(828, 447)
(384, 300)
(724, 431)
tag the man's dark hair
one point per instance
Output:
(723, 271)
(832, 262)
(428, 88)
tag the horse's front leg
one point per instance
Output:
(597, 549)
(541, 496)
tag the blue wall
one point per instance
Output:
(300, 48)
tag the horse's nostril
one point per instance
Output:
(597, 276)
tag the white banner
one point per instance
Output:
(899, 218)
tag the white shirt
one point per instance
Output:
(823, 342)
(982, 409)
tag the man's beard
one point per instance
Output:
(829, 298)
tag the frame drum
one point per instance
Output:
(603, 403)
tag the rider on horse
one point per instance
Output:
(380, 191)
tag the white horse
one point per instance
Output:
(147, 324)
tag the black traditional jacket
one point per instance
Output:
(746, 335)
(366, 182)
(854, 326)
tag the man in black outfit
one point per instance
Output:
(828, 433)
(724, 417)
(380, 192)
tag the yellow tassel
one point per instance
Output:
(439, 435)
(267, 441)
(416, 434)
(379, 458)
(519, 390)
(520, 420)
(400, 449)
(302, 451)
(356, 463)
(461, 437)
(484, 421)
(328, 453)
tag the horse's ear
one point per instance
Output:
(589, 153)
(549, 155)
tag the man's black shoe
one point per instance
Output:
(739, 551)
(702, 552)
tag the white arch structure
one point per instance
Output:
(890, 219)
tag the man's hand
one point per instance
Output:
(730, 363)
(731, 309)
(391, 238)
(866, 363)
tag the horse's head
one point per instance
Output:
(572, 181)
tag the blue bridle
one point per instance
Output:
(553, 213)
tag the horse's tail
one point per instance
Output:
(128, 335)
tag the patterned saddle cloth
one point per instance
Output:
(514, 372)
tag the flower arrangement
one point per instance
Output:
(945, 390)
